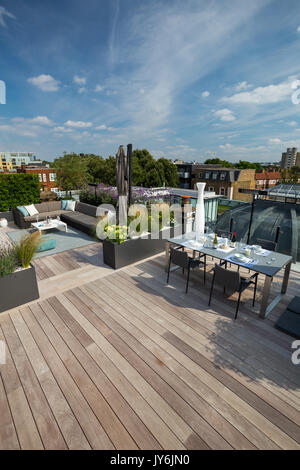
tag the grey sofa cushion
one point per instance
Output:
(78, 217)
(294, 305)
(86, 209)
(54, 206)
(42, 207)
(289, 323)
(43, 215)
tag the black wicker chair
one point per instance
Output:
(266, 244)
(232, 281)
(184, 261)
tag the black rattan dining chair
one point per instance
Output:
(232, 281)
(266, 244)
(224, 234)
(184, 261)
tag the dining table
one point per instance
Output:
(264, 262)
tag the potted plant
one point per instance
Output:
(18, 284)
(120, 251)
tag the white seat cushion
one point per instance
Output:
(31, 209)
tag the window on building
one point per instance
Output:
(211, 188)
(222, 176)
(222, 191)
(52, 176)
(40, 177)
(207, 174)
(214, 176)
(44, 177)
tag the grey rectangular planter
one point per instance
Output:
(117, 256)
(18, 288)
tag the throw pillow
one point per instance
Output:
(23, 210)
(70, 206)
(31, 209)
(64, 204)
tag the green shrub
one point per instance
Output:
(18, 190)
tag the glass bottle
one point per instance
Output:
(215, 242)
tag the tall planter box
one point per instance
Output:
(18, 288)
(117, 256)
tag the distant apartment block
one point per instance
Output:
(290, 158)
(11, 160)
(224, 181)
(267, 179)
(47, 176)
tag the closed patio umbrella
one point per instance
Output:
(122, 180)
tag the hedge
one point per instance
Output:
(18, 190)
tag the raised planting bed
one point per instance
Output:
(18, 288)
(130, 251)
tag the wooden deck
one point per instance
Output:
(126, 362)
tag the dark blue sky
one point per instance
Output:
(185, 79)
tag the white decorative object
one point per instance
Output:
(200, 215)
(70, 206)
(31, 209)
(3, 223)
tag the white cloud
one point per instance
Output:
(41, 120)
(78, 124)
(101, 128)
(242, 86)
(111, 92)
(17, 130)
(205, 94)
(225, 147)
(81, 90)
(225, 115)
(79, 80)
(3, 13)
(292, 123)
(157, 40)
(262, 95)
(62, 129)
(142, 91)
(275, 141)
(298, 29)
(45, 82)
(99, 88)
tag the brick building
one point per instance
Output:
(267, 179)
(47, 176)
(224, 181)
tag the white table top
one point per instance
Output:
(47, 226)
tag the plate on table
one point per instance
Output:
(240, 257)
(260, 251)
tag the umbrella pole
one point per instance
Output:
(129, 163)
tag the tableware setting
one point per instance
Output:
(242, 259)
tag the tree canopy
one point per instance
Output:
(241, 164)
(71, 171)
(76, 170)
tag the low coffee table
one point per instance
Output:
(43, 226)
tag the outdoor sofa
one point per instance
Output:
(82, 218)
